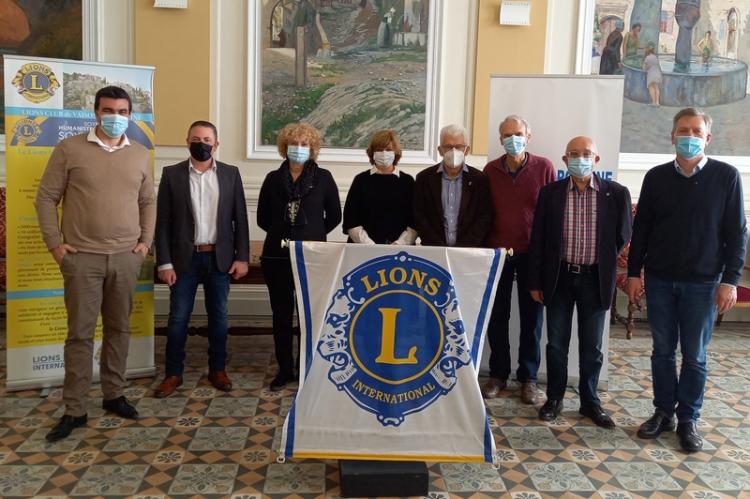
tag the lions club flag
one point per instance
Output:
(390, 349)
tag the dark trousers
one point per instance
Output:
(277, 273)
(181, 300)
(531, 316)
(582, 292)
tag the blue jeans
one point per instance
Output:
(181, 301)
(581, 291)
(684, 312)
(531, 317)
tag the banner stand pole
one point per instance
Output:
(383, 478)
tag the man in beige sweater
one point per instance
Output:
(106, 230)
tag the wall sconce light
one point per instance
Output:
(171, 4)
(515, 12)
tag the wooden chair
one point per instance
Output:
(743, 292)
(247, 326)
(622, 280)
(743, 298)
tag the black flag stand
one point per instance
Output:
(383, 478)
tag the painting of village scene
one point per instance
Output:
(674, 54)
(348, 67)
(80, 91)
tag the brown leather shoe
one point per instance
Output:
(168, 386)
(493, 387)
(530, 394)
(220, 380)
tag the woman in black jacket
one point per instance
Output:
(378, 208)
(298, 202)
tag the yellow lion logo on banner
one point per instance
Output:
(36, 82)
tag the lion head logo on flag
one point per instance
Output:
(394, 337)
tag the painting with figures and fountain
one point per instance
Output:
(674, 54)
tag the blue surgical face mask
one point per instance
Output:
(580, 167)
(689, 147)
(114, 125)
(515, 144)
(298, 154)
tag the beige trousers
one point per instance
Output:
(97, 283)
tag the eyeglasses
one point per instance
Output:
(580, 154)
(448, 147)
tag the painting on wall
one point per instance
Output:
(348, 67)
(39, 28)
(675, 54)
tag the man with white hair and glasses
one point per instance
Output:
(452, 205)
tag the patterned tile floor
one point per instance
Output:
(203, 443)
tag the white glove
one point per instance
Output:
(359, 235)
(406, 238)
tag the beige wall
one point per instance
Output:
(178, 43)
(503, 50)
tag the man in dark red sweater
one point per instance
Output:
(515, 180)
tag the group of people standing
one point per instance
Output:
(689, 238)
(689, 235)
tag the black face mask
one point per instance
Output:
(200, 151)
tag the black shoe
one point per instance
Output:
(280, 381)
(657, 424)
(597, 415)
(690, 439)
(66, 425)
(550, 410)
(121, 407)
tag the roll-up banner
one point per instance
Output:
(47, 100)
(559, 108)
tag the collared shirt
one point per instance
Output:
(698, 167)
(204, 203)
(579, 224)
(375, 171)
(204, 199)
(92, 137)
(520, 167)
(451, 199)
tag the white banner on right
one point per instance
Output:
(558, 108)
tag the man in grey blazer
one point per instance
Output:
(202, 237)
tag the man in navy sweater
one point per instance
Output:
(690, 235)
